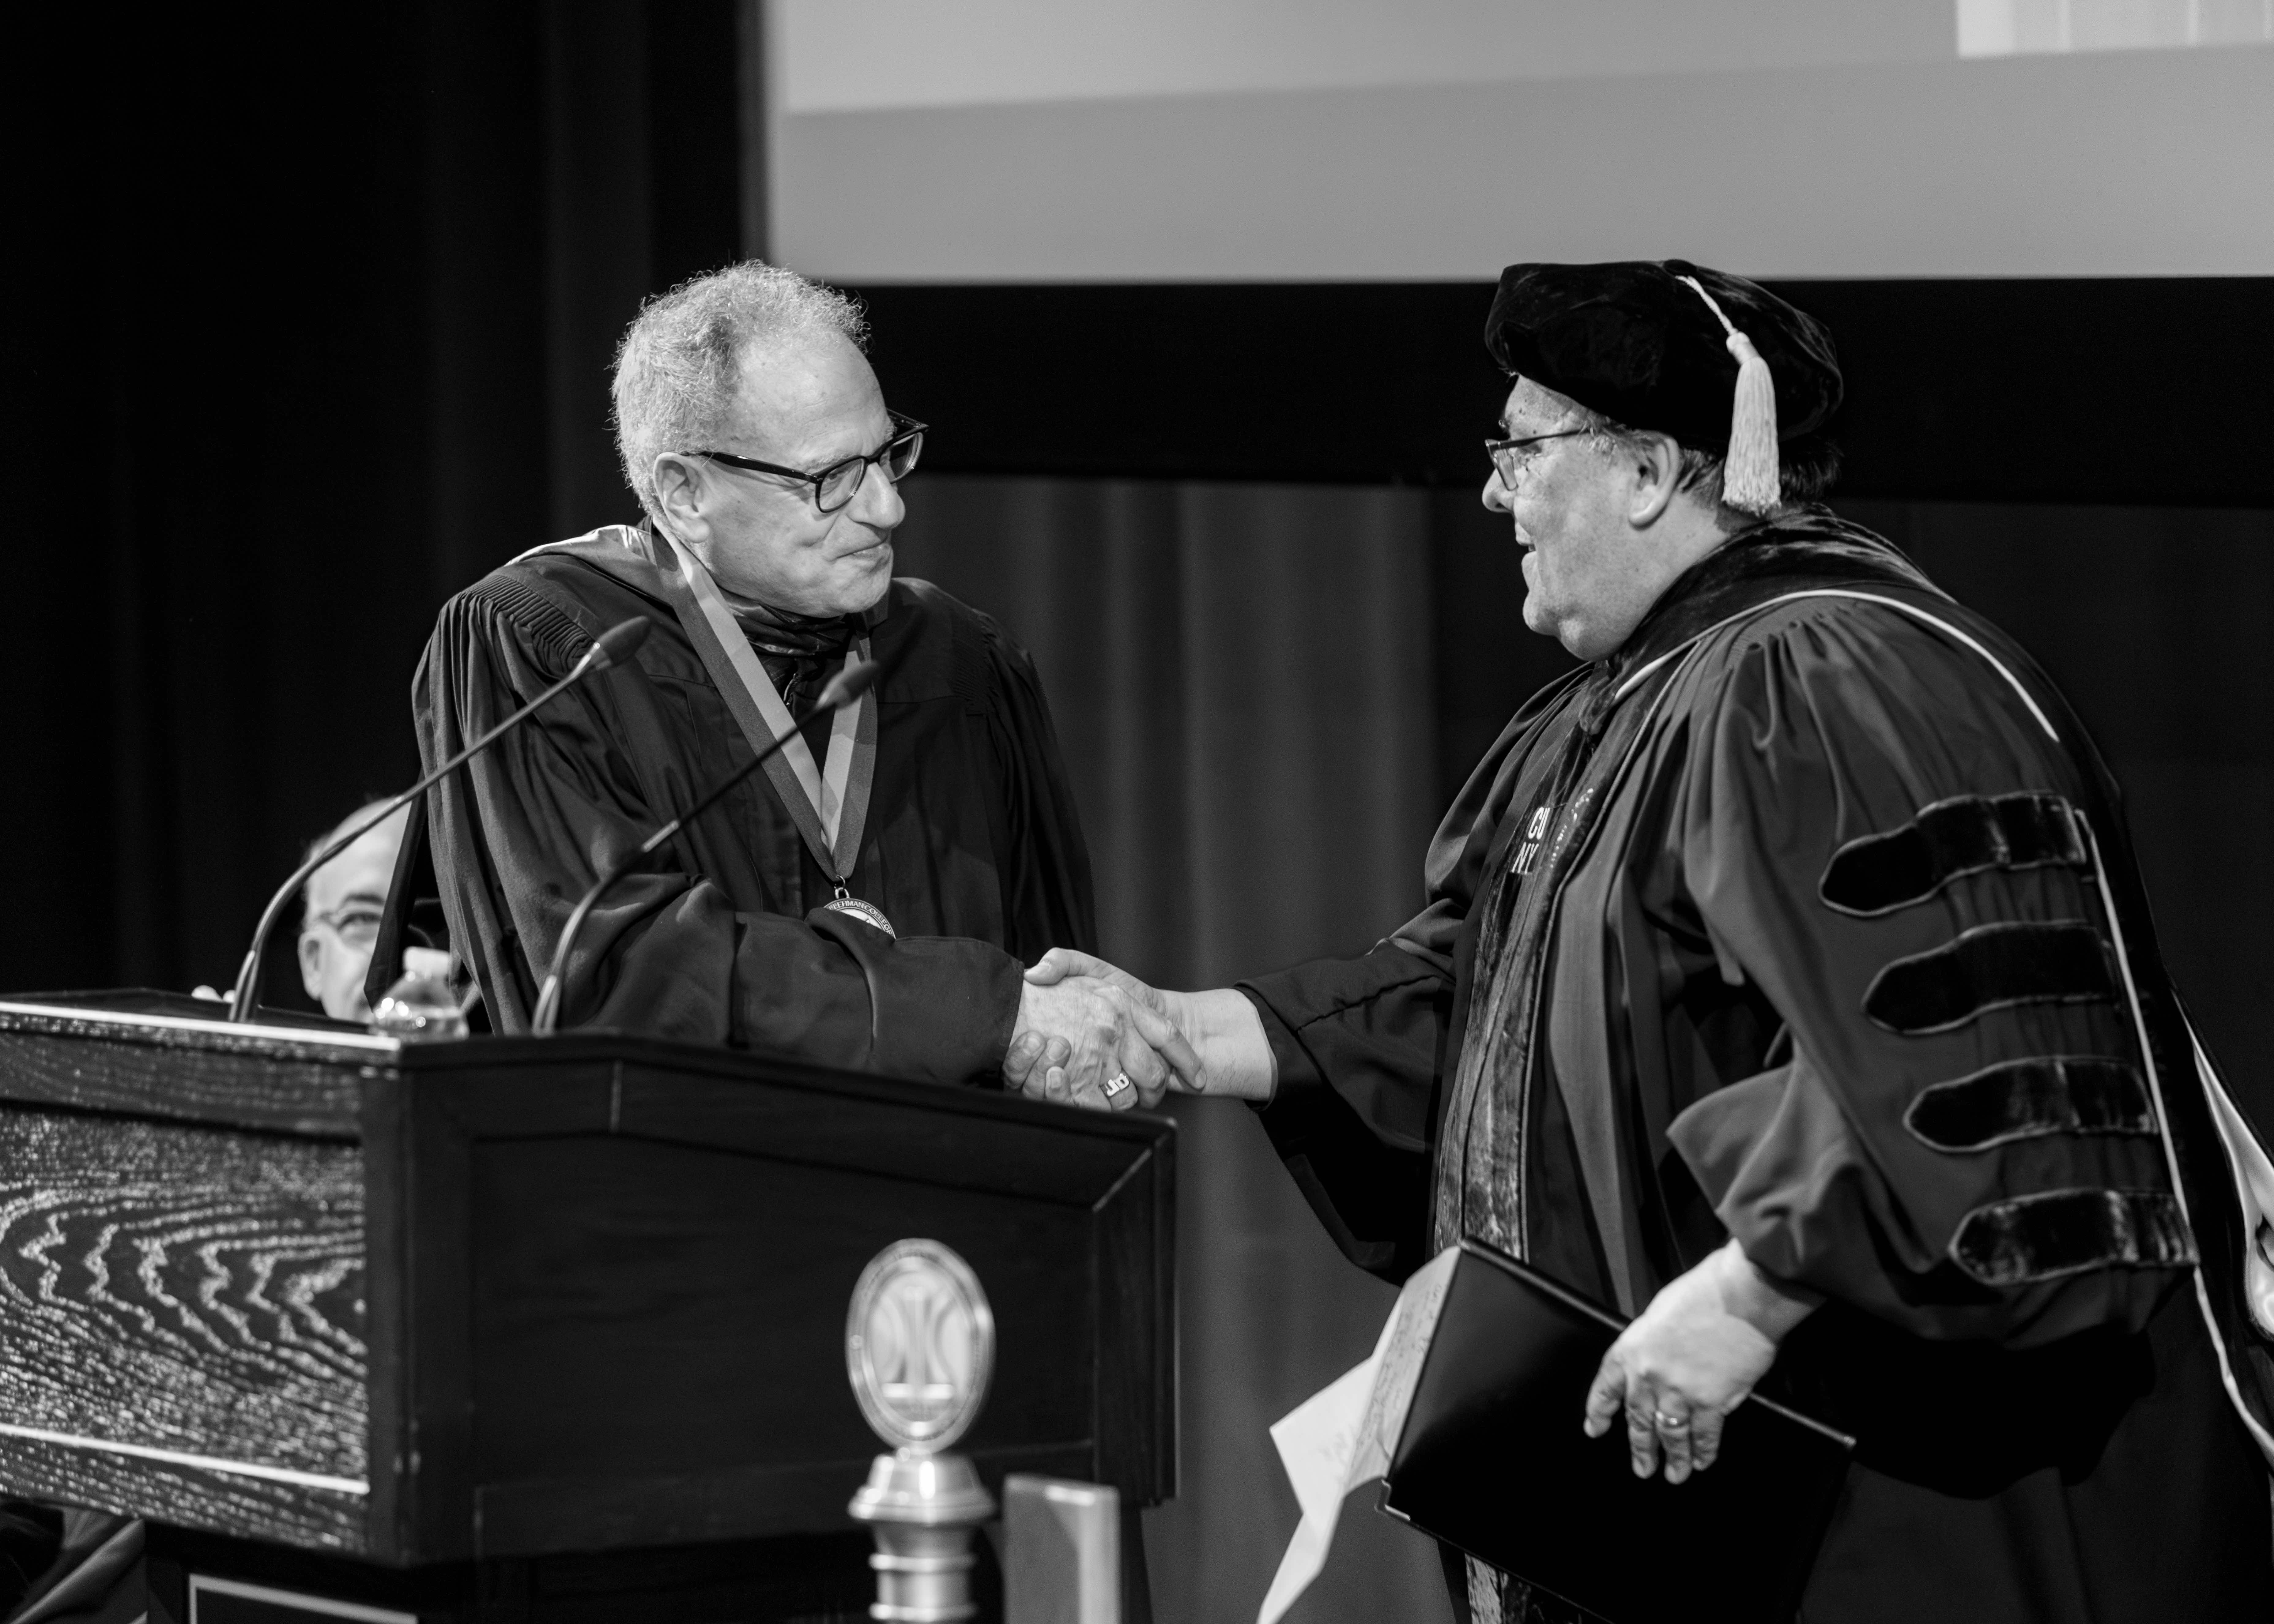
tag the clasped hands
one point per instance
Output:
(1092, 1036)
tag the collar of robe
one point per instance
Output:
(785, 632)
(1808, 545)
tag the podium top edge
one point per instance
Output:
(370, 1056)
(87, 1022)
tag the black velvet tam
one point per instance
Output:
(1628, 340)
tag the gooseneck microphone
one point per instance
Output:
(841, 690)
(611, 647)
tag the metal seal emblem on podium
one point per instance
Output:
(919, 1349)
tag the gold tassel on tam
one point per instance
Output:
(1750, 479)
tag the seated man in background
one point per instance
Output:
(342, 906)
(869, 899)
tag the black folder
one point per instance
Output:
(1492, 1459)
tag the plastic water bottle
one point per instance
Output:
(419, 1009)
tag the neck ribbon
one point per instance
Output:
(830, 804)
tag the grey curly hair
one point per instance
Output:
(680, 361)
(1807, 466)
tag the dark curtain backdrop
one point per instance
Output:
(311, 313)
(1242, 681)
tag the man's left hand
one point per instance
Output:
(1691, 1358)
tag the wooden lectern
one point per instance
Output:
(460, 1329)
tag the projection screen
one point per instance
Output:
(1275, 140)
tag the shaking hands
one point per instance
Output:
(1092, 1036)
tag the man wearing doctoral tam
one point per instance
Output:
(1786, 981)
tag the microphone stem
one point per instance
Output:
(247, 990)
(547, 1015)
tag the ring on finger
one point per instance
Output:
(1671, 1423)
(1116, 1083)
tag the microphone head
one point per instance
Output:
(619, 641)
(849, 685)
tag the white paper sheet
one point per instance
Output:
(1342, 1435)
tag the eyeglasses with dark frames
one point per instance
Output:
(1508, 455)
(837, 484)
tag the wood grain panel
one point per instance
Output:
(390, 1534)
(188, 1291)
(609, 1288)
(321, 1519)
(198, 1073)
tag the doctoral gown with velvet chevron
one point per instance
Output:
(971, 847)
(1809, 917)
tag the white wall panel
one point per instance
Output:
(836, 55)
(2147, 163)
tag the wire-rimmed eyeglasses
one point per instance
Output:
(1510, 456)
(355, 923)
(835, 486)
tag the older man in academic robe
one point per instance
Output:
(870, 901)
(1786, 982)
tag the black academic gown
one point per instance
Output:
(1798, 920)
(971, 848)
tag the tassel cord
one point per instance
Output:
(1751, 479)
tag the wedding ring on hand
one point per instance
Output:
(1670, 1424)
(1116, 1083)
